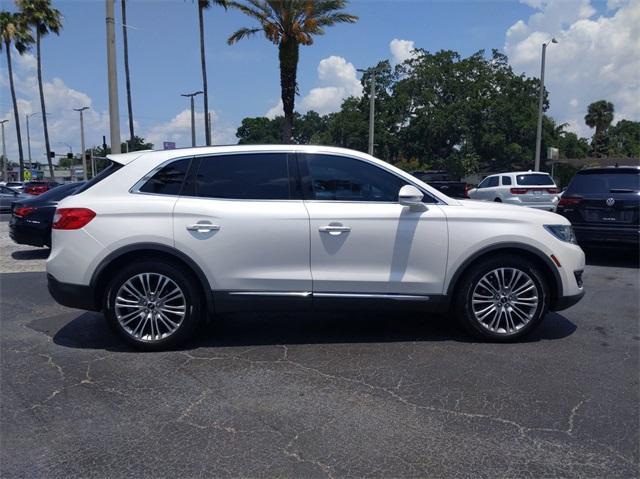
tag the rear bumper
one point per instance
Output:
(566, 302)
(24, 234)
(72, 295)
(597, 234)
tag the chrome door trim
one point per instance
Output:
(291, 294)
(398, 297)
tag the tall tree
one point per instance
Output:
(599, 116)
(202, 6)
(14, 31)
(45, 19)
(289, 24)
(125, 44)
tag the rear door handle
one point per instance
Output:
(334, 229)
(203, 227)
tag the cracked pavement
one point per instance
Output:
(310, 395)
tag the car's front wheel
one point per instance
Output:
(502, 298)
(152, 305)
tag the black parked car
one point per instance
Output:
(31, 218)
(603, 204)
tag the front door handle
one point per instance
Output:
(334, 229)
(203, 227)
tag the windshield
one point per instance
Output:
(605, 183)
(536, 179)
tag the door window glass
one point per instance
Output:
(506, 180)
(493, 181)
(249, 176)
(338, 178)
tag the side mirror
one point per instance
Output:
(410, 196)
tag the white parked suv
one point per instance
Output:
(162, 240)
(532, 189)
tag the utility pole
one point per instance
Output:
(540, 104)
(5, 173)
(114, 114)
(372, 106)
(84, 157)
(193, 114)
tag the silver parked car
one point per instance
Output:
(530, 188)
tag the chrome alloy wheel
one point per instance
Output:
(150, 307)
(505, 300)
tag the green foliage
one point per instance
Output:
(625, 139)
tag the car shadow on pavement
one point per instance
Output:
(41, 253)
(613, 257)
(90, 330)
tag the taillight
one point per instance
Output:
(467, 188)
(23, 211)
(72, 218)
(569, 200)
(519, 191)
(553, 191)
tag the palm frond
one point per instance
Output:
(242, 33)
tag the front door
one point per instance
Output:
(362, 240)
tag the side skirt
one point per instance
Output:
(236, 301)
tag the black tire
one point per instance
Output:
(464, 296)
(498, 200)
(191, 297)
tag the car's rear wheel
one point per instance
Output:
(498, 200)
(502, 298)
(153, 306)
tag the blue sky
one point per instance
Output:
(244, 81)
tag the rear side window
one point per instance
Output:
(168, 180)
(604, 183)
(257, 176)
(506, 180)
(111, 168)
(535, 179)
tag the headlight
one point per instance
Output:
(562, 232)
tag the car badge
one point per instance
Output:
(611, 202)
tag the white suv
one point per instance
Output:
(161, 240)
(532, 189)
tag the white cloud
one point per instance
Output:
(275, 110)
(401, 50)
(597, 57)
(178, 130)
(339, 81)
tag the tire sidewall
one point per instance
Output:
(181, 277)
(464, 299)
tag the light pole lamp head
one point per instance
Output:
(553, 40)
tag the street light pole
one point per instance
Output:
(193, 114)
(5, 172)
(84, 158)
(540, 105)
(372, 106)
(114, 114)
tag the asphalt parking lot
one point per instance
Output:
(320, 395)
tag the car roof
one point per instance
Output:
(609, 169)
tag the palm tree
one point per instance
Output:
(45, 19)
(125, 44)
(599, 116)
(202, 6)
(14, 31)
(289, 24)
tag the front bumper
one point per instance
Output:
(72, 295)
(565, 302)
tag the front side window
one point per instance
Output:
(493, 181)
(248, 176)
(168, 180)
(338, 178)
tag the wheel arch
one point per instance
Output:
(126, 254)
(539, 258)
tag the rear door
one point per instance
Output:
(240, 218)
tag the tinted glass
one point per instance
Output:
(345, 179)
(168, 180)
(493, 181)
(484, 183)
(506, 180)
(604, 183)
(258, 176)
(111, 168)
(535, 180)
(59, 192)
(7, 191)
